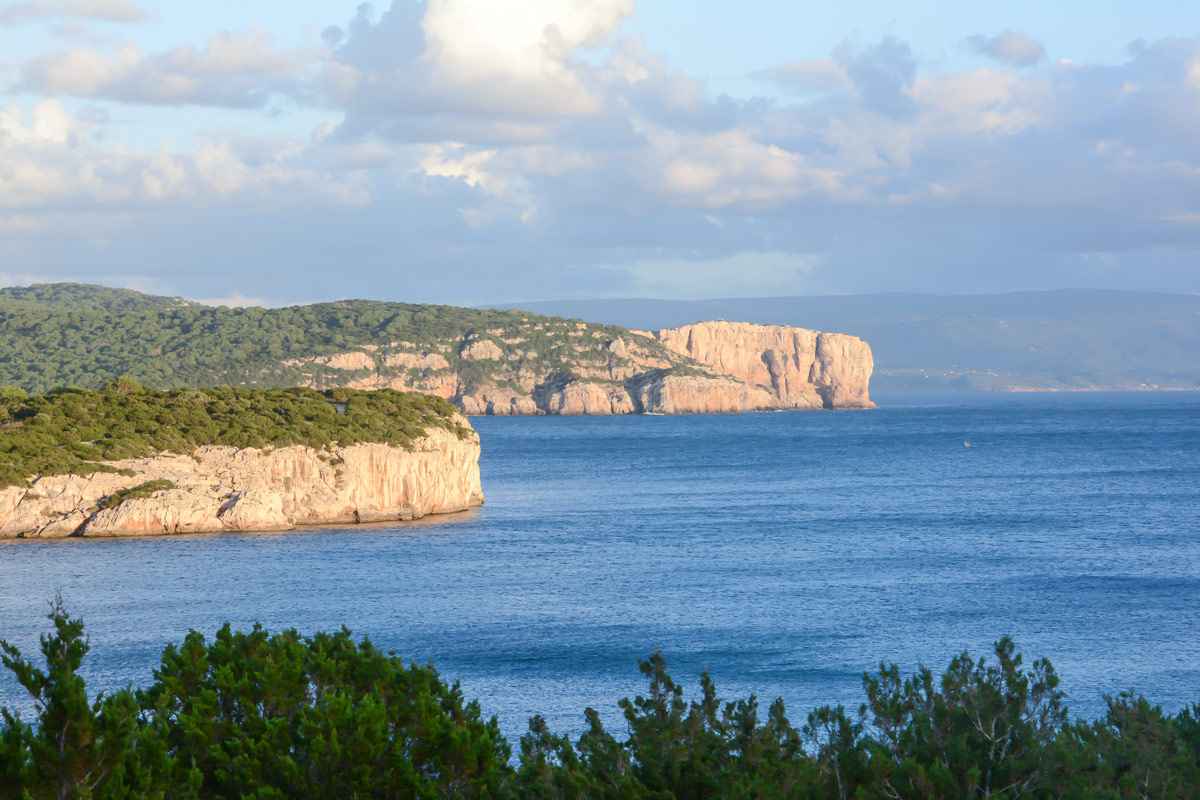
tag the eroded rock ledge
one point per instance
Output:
(230, 489)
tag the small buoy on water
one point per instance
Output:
(966, 444)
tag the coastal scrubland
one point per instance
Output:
(77, 430)
(260, 715)
(68, 334)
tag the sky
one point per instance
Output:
(493, 151)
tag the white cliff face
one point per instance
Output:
(678, 394)
(802, 368)
(230, 489)
(753, 368)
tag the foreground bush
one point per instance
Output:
(255, 715)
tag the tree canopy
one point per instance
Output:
(272, 716)
(78, 335)
(75, 430)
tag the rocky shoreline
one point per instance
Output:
(250, 489)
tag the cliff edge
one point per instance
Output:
(218, 488)
(799, 368)
(705, 368)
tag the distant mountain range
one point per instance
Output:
(1067, 339)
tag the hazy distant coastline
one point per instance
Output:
(1065, 340)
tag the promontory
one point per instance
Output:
(482, 361)
(128, 460)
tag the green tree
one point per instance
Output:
(985, 731)
(76, 748)
(279, 716)
(1135, 751)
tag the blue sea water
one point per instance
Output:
(787, 553)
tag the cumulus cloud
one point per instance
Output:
(883, 75)
(98, 10)
(237, 70)
(518, 58)
(1008, 47)
(51, 163)
(731, 168)
(452, 63)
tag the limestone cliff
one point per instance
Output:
(230, 489)
(801, 368)
(709, 367)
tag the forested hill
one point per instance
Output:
(86, 297)
(78, 335)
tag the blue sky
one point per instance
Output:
(474, 151)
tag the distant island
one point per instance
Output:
(128, 461)
(497, 362)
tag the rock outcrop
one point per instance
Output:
(709, 367)
(230, 489)
(799, 367)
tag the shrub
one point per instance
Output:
(260, 715)
(141, 490)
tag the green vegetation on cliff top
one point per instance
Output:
(73, 430)
(78, 335)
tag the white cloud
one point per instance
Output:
(1008, 47)
(234, 300)
(453, 160)
(730, 168)
(980, 102)
(452, 68)
(240, 70)
(49, 162)
(98, 10)
(518, 58)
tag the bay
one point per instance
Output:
(786, 553)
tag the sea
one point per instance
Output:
(785, 553)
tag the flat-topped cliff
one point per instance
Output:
(130, 461)
(250, 489)
(800, 368)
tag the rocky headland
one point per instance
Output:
(132, 461)
(251, 489)
(484, 361)
(706, 368)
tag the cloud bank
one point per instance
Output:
(474, 153)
